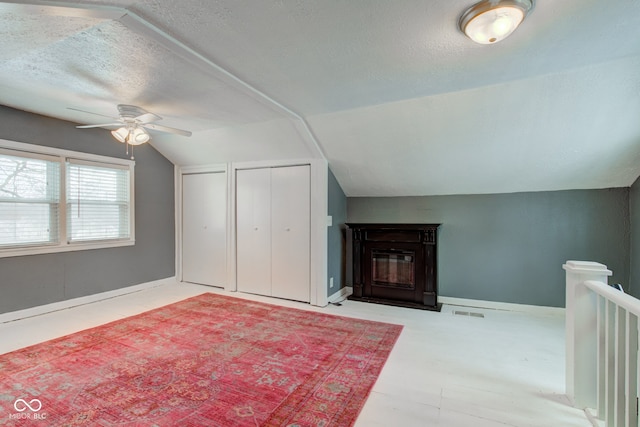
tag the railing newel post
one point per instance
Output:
(582, 331)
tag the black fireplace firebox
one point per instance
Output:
(393, 264)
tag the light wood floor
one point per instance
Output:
(505, 369)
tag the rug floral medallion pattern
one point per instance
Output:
(210, 360)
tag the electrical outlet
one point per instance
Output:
(331, 282)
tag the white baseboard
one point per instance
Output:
(74, 302)
(340, 295)
(536, 309)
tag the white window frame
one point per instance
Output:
(30, 150)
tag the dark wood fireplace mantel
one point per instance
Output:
(393, 264)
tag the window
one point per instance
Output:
(55, 200)
(29, 200)
(97, 202)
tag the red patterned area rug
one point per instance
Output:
(209, 360)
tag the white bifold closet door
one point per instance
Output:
(290, 233)
(253, 231)
(204, 228)
(273, 232)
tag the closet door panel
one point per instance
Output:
(253, 228)
(290, 237)
(204, 228)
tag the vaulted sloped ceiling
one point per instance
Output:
(397, 99)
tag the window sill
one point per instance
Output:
(40, 250)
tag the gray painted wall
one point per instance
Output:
(634, 214)
(511, 247)
(335, 235)
(34, 280)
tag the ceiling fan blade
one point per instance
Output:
(166, 129)
(98, 126)
(147, 118)
(95, 114)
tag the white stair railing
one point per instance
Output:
(602, 345)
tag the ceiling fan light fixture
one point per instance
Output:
(138, 136)
(120, 134)
(134, 121)
(490, 21)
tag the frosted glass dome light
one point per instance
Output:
(491, 21)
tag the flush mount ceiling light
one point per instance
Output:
(491, 21)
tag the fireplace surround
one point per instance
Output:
(393, 264)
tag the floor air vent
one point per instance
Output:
(468, 313)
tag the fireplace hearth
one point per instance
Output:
(393, 264)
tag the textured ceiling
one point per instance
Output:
(391, 93)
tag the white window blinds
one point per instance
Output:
(54, 200)
(29, 199)
(98, 201)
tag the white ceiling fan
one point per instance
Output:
(133, 123)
